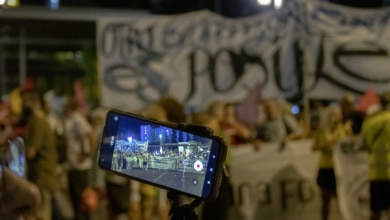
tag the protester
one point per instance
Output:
(376, 140)
(97, 119)
(237, 132)
(61, 205)
(121, 193)
(131, 200)
(79, 162)
(95, 193)
(350, 114)
(97, 176)
(298, 116)
(278, 128)
(317, 115)
(260, 116)
(217, 110)
(40, 151)
(326, 138)
(18, 196)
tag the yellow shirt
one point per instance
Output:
(376, 137)
(325, 141)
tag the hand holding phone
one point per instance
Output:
(186, 159)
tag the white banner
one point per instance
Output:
(346, 50)
(196, 57)
(321, 49)
(281, 184)
(275, 184)
(351, 168)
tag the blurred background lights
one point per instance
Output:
(53, 4)
(264, 2)
(295, 109)
(9, 3)
(278, 3)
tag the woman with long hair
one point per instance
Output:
(326, 138)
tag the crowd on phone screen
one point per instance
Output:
(62, 146)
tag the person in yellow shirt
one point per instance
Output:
(326, 138)
(376, 140)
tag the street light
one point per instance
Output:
(130, 139)
(160, 144)
(278, 4)
(264, 2)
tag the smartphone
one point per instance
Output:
(15, 157)
(186, 159)
(12, 156)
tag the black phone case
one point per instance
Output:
(189, 128)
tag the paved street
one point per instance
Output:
(188, 181)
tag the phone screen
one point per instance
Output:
(160, 155)
(14, 156)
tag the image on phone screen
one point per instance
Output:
(160, 155)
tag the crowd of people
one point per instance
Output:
(61, 148)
